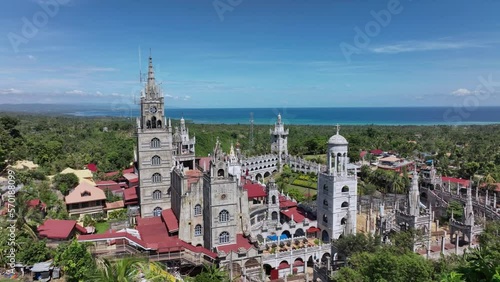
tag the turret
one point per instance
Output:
(414, 196)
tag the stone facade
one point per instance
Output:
(154, 150)
(337, 192)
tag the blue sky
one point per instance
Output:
(253, 53)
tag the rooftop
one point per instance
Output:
(59, 229)
(84, 193)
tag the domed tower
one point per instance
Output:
(337, 192)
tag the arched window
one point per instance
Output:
(220, 173)
(197, 209)
(343, 221)
(325, 218)
(153, 122)
(159, 123)
(156, 160)
(273, 200)
(156, 178)
(156, 195)
(155, 143)
(197, 230)
(224, 237)
(157, 211)
(345, 204)
(148, 124)
(325, 203)
(274, 216)
(223, 216)
(325, 187)
(345, 189)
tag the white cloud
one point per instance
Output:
(10, 91)
(32, 58)
(187, 97)
(75, 92)
(98, 93)
(420, 46)
(462, 92)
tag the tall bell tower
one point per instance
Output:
(154, 149)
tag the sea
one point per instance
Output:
(297, 116)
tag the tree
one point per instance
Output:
(352, 244)
(386, 265)
(123, 270)
(76, 261)
(65, 182)
(31, 252)
(212, 273)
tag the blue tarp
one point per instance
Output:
(275, 238)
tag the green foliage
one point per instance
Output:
(76, 261)
(455, 208)
(120, 214)
(88, 221)
(352, 244)
(212, 273)
(65, 182)
(31, 252)
(123, 270)
(386, 265)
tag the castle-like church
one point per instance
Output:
(220, 205)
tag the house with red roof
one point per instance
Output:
(453, 184)
(85, 199)
(60, 230)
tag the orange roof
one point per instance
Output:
(115, 205)
(84, 193)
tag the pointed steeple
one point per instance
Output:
(151, 84)
(279, 118)
(414, 196)
(468, 209)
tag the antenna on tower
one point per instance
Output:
(251, 131)
(140, 65)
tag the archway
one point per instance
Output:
(258, 177)
(268, 268)
(299, 232)
(287, 233)
(252, 263)
(267, 174)
(345, 205)
(325, 257)
(325, 236)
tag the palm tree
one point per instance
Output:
(123, 270)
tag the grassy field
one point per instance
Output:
(101, 227)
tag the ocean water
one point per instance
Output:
(321, 116)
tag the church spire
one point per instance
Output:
(414, 196)
(468, 209)
(151, 85)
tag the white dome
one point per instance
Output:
(337, 139)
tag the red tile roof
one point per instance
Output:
(193, 176)
(170, 220)
(59, 229)
(130, 194)
(285, 203)
(376, 152)
(298, 215)
(312, 229)
(35, 203)
(241, 242)
(255, 190)
(92, 167)
(463, 182)
(154, 235)
(496, 186)
(113, 173)
(114, 205)
(362, 154)
(204, 163)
